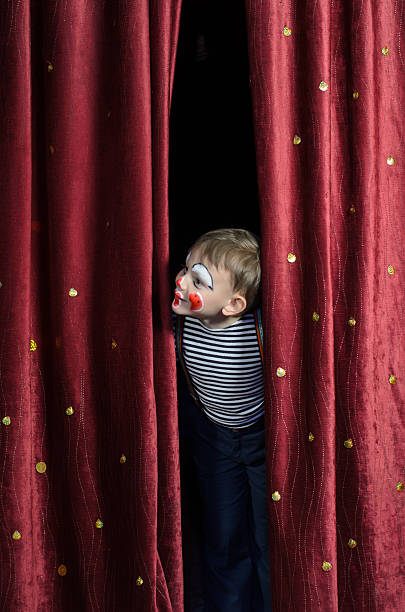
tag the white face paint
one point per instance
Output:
(204, 274)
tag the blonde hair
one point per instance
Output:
(238, 251)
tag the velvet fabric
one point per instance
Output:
(333, 202)
(85, 101)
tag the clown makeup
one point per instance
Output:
(196, 301)
(178, 298)
(204, 275)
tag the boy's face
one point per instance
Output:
(206, 292)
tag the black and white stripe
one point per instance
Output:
(226, 370)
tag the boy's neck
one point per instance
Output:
(220, 323)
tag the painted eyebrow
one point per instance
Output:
(204, 275)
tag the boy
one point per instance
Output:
(218, 343)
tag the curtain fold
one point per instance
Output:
(89, 448)
(327, 82)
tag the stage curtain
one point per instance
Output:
(89, 471)
(328, 91)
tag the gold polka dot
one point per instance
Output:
(40, 467)
(72, 292)
(311, 437)
(390, 160)
(400, 486)
(286, 31)
(326, 566)
(99, 524)
(391, 270)
(139, 581)
(69, 410)
(291, 257)
(323, 86)
(33, 345)
(280, 372)
(352, 210)
(385, 51)
(297, 139)
(123, 459)
(16, 535)
(51, 149)
(62, 570)
(50, 67)
(352, 543)
(315, 316)
(113, 344)
(6, 420)
(351, 322)
(355, 95)
(392, 379)
(276, 496)
(348, 443)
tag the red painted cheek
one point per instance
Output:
(196, 301)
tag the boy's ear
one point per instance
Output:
(235, 306)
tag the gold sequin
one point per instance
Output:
(351, 322)
(315, 316)
(291, 257)
(16, 535)
(391, 270)
(33, 345)
(113, 344)
(323, 86)
(62, 570)
(50, 67)
(280, 372)
(352, 543)
(286, 31)
(51, 149)
(69, 410)
(311, 437)
(72, 292)
(276, 496)
(385, 51)
(123, 459)
(348, 443)
(355, 95)
(40, 467)
(400, 486)
(352, 210)
(6, 420)
(326, 566)
(99, 524)
(296, 139)
(390, 160)
(392, 379)
(139, 581)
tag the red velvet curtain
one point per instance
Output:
(89, 478)
(328, 89)
(89, 475)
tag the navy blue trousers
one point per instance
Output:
(231, 477)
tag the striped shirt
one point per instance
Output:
(225, 367)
